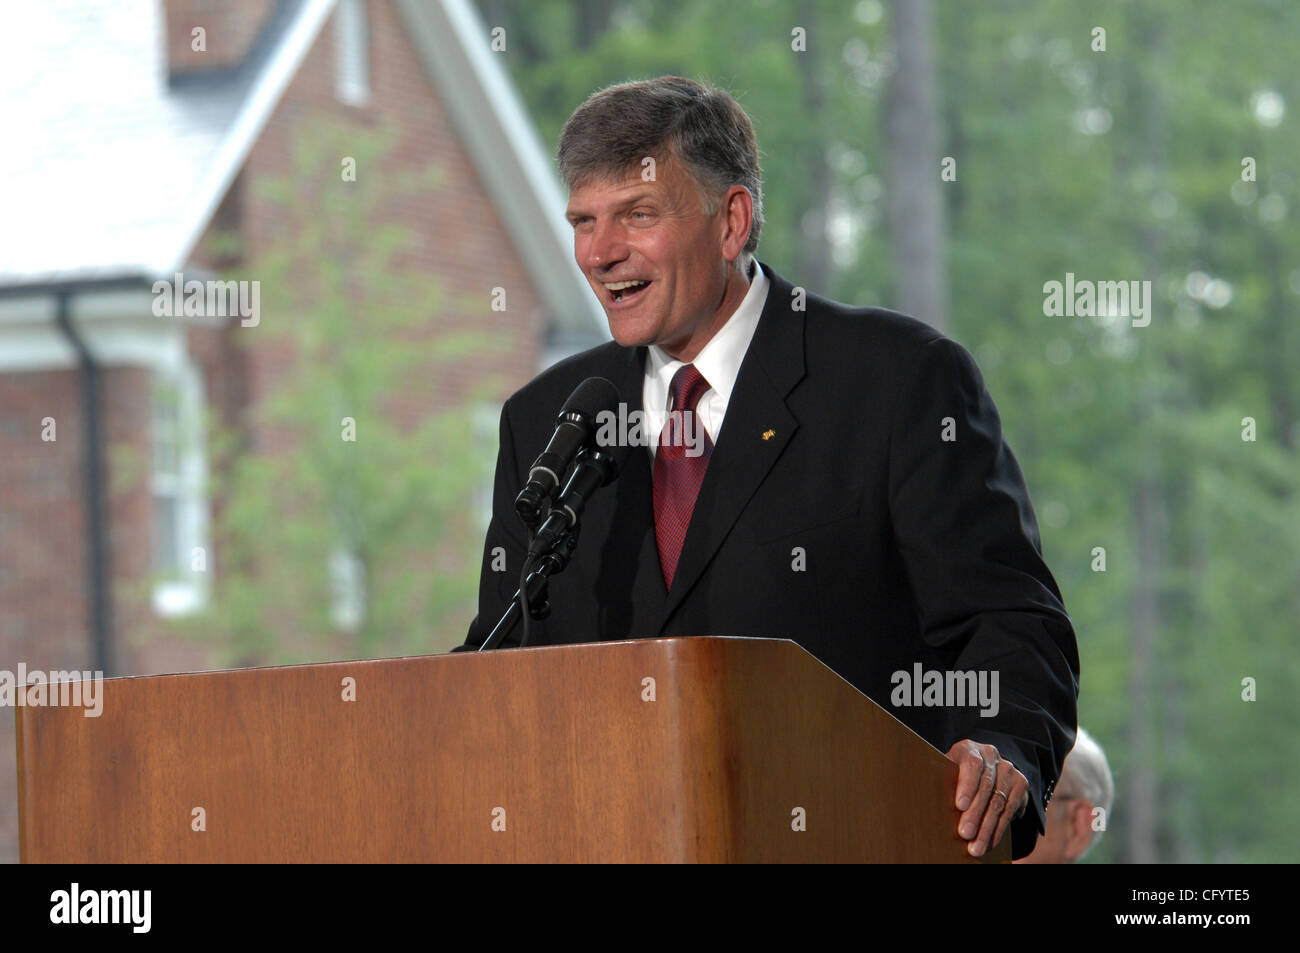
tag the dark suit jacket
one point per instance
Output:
(916, 549)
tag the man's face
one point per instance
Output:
(654, 232)
(1067, 835)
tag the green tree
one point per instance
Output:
(339, 486)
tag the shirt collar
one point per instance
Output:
(719, 360)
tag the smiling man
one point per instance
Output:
(651, 256)
(854, 493)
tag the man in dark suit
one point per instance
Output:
(851, 489)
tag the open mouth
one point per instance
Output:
(623, 291)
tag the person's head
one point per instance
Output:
(1085, 787)
(664, 188)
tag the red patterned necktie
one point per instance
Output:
(679, 467)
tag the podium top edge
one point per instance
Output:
(569, 646)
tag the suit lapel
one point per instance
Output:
(629, 576)
(742, 455)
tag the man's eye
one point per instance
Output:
(641, 215)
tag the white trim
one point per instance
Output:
(118, 326)
(351, 53)
(455, 47)
(35, 309)
(101, 303)
(40, 348)
(127, 343)
(251, 120)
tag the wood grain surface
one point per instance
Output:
(557, 745)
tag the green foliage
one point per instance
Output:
(345, 317)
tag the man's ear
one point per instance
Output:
(738, 218)
(1080, 829)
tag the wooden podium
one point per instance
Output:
(664, 750)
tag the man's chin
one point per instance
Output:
(629, 333)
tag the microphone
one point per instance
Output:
(575, 428)
(594, 469)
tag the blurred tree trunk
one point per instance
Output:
(1140, 802)
(1280, 374)
(814, 242)
(915, 204)
(1156, 493)
(590, 20)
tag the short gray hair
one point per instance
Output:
(618, 126)
(1086, 774)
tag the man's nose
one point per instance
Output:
(605, 246)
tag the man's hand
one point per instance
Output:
(990, 793)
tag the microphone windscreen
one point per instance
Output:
(591, 397)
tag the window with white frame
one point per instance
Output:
(180, 557)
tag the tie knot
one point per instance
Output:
(687, 387)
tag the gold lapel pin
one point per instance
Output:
(769, 434)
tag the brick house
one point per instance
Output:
(138, 135)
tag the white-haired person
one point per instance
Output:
(1079, 811)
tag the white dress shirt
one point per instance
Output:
(719, 362)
